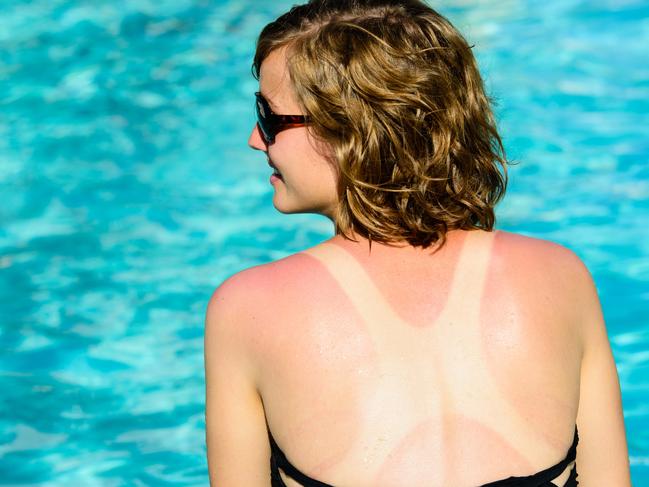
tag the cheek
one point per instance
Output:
(319, 172)
(327, 184)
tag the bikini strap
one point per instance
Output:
(544, 477)
(279, 460)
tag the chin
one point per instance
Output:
(288, 209)
(291, 206)
(291, 210)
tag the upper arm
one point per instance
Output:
(238, 450)
(602, 455)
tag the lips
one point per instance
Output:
(275, 170)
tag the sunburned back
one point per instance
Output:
(402, 367)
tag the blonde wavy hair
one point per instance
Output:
(393, 89)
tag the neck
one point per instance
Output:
(361, 243)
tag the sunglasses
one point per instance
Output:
(270, 124)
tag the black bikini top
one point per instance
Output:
(278, 461)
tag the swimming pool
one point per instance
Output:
(129, 194)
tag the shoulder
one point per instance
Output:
(252, 311)
(551, 274)
(257, 291)
(524, 243)
(264, 277)
(535, 254)
(554, 275)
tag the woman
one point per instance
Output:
(417, 346)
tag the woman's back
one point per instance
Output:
(407, 367)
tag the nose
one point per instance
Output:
(255, 141)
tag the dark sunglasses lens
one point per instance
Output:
(265, 127)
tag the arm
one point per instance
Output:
(238, 450)
(602, 455)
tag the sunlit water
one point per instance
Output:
(128, 194)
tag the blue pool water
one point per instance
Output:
(128, 194)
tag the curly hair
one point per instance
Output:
(393, 89)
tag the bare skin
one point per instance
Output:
(401, 366)
(410, 376)
(404, 368)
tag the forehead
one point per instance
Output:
(273, 68)
(274, 80)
